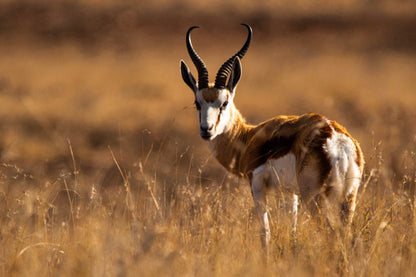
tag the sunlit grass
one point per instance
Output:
(140, 224)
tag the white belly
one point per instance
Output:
(279, 172)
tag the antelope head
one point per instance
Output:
(214, 102)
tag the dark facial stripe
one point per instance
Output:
(219, 118)
(218, 121)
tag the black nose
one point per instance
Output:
(206, 128)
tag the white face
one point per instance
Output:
(213, 107)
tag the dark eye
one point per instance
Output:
(197, 105)
(224, 105)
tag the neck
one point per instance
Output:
(229, 147)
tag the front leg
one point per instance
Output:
(258, 186)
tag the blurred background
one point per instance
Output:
(94, 115)
(82, 79)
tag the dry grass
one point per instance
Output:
(103, 173)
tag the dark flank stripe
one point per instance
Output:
(279, 136)
(303, 136)
(272, 148)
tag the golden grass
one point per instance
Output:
(102, 171)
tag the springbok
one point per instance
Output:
(308, 155)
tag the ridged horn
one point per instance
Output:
(199, 64)
(225, 69)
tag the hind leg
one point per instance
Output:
(352, 183)
(321, 199)
(348, 206)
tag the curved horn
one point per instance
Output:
(199, 64)
(225, 69)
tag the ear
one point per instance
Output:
(235, 75)
(187, 77)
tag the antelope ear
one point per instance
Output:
(187, 77)
(235, 74)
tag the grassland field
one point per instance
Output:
(103, 173)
